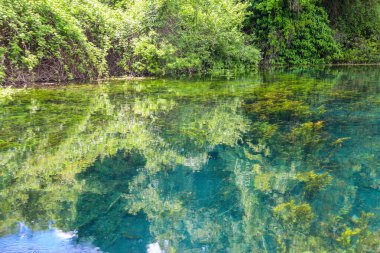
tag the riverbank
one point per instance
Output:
(222, 75)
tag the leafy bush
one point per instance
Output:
(315, 32)
(190, 36)
(292, 32)
(357, 25)
(55, 40)
(51, 40)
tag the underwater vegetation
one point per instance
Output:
(291, 214)
(314, 182)
(212, 165)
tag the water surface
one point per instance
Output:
(280, 161)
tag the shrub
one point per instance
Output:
(51, 40)
(56, 40)
(292, 32)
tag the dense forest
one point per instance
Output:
(59, 40)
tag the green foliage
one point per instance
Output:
(152, 55)
(357, 25)
(362, 50)
(292, 32)
(56, 40)
(191, 36)
(314, 32)
(51, 40)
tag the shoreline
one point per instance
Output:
(76, 81)
(132, 78)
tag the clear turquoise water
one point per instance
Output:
(279, 161)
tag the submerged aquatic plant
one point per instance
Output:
(292, 215)
(358, 237)
(314, 182)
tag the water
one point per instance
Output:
(280, 161)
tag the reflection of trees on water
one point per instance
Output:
(287, 166)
